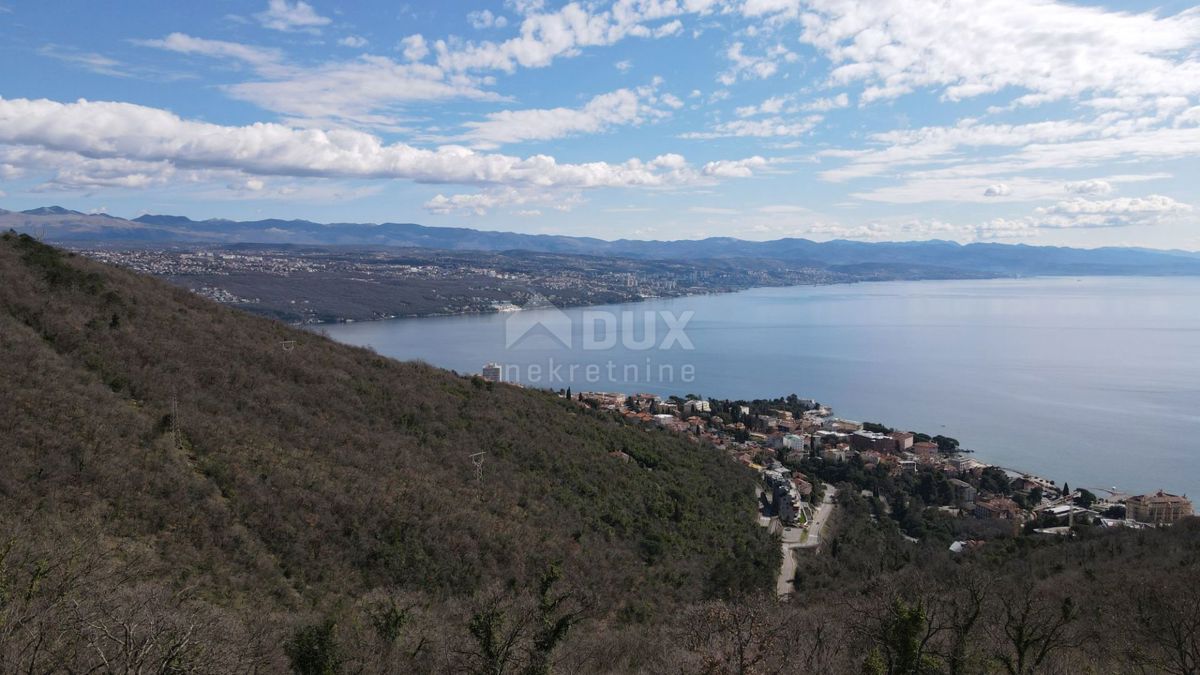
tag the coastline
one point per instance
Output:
(1029, 414)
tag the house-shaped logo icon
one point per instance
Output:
(537, 317)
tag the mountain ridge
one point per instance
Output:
(990, 258)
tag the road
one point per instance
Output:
(796, 538)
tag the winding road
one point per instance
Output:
(795, 538)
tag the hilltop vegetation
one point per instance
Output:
(282, 478)
(190, 489)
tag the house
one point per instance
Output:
(829, 438)
(997, 508)
(794, 442)
(904, 440)
(924, 449)
(804, 487)
(643, 401)
(1066, 513)
(784, 495)
(845, 426)
(835, 454)
(964, 492)
(493, 373)
(869, 440)
(1159, 508)
(696, 406)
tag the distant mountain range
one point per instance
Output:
(62, 225)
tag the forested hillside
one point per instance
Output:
(272, 479)
(189, 489)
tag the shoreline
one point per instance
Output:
(1031, 447)
(443, 315)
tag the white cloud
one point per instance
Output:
(1052, 50)
(545, 36)
(366, 91)
(287, 16)
(483, 19)
(138, 143)
(620, 107)
(353, 41)
(740, 168)
(825, 104)
(1108, 212)
(1089, 187)
(90, 61)
(1087, 213)
(264, 60)
(414, 47)
(921, 187)
(624, 65)
(773, 127)
(481, 203)
(771, 106)
(746, 66)
(668, 29)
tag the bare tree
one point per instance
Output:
(1033, 625)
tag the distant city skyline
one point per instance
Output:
(1019, 121)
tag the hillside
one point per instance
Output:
(191, 489)
(281, 478)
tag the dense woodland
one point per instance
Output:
(187, 488)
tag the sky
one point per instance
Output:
(969, 120)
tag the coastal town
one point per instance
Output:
(801, 450)
(329, 284)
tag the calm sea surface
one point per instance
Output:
(1095, 381)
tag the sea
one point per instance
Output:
(1094, 380)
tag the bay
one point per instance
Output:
(1092, 380)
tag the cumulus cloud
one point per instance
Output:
(287, 16)
(484, 18)
(739, 168)
(1052, 50)
(1089, 213)
(1089, 187)
(1112, 212)
(620, 107)
(145, 137)
(353, 41)
(546, 36)
(997, 190)
(414, 47)
(481, 203)
(746, 66)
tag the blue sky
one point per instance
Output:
(989, 120)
